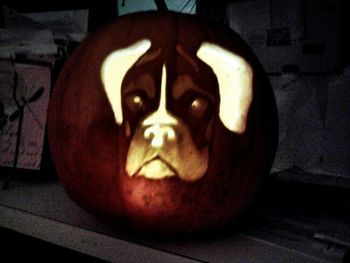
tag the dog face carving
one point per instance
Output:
(167, 112)
(164, 121)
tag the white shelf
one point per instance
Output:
(43, 210)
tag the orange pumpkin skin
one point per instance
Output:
(89, 148)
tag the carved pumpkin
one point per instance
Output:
(163, 120)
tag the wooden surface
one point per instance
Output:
(42, 209)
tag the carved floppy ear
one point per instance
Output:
(235, 79)
(113, 71)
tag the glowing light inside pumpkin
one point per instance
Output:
(235, 84)
(137, 100)
(156, 152)
(113, 72)
(158, 133)
(160, 123)
(156, 169)
(157, 149)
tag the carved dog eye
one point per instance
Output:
(136, 103)
(198, 107)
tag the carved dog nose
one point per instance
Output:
(159, 134)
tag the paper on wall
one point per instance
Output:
(67, 25)
(22, 35)
(337, 129)
(31, 79)
(301, 129)
(35, 33)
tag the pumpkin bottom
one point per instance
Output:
(169, 206)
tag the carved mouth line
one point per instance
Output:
(162, 169)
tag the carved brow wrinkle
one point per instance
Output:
(148, 57)
(187, 57)
(144, 82)
(184, 83)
